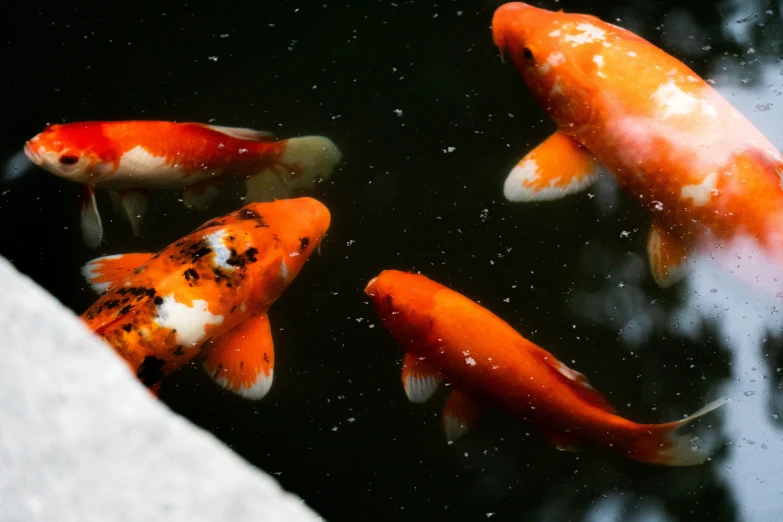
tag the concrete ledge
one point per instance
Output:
(82, 440)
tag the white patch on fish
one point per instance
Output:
(632, 54)
(589, 33)
(555, 33)
(700, 193)
(219, 248)
(599, 61)
(138, 159)
(555, 59)
(544, 68)
(674, 101)
(189, 321)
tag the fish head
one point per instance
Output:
(297, 227)
(404, 301)
(71, 151)
(556, 54)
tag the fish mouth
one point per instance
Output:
(32, 156)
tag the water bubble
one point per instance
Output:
(656, 206)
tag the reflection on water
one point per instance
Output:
(732, 295)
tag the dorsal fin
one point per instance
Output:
(104, 272)
(577, 381)
(242, 133)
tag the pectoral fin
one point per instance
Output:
(131, 205)
(92, 228)
(242, 360)
(556, 168)
(201, 195)
(459, 415)
(667, 255)
(104, 272)
(419, 379)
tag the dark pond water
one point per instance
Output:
(396, 85)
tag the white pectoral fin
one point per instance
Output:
(242, 360)
(460, 414)
(104, 272)
(419, 379)
(559, 166)
(667, 255)
(92, 228)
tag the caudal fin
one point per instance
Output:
(666, 444)
(303, 161)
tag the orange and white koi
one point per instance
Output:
(208, 294)
(126, 156)
(448, 337)
(707, 174)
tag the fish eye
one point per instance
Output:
(528, 54)
(69, 159)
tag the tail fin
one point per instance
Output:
(303, 161)
(662, 444)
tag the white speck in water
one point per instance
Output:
(471, 361)
(213, 58)
(398, 112)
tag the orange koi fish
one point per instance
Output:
(708, 175)
(207, 294)
(446, 336)
(126, 156)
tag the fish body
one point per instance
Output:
(207, 294)
(129, 156)
(706, 174)
(448, 337)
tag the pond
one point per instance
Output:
(429, 122)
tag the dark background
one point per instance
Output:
(336, 428)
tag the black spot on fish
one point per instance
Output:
(303, 242)
(150, 370)
(127, 327)
(217, 371)
(246, 213)
(241, 364)
(125, 310)
(251, 254)
(201, 252)
(180, 350)
(158, 300)
(189, 274)
(266, 358)
(114, 303)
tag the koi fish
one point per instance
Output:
(127, 156)
(207, 294)
(448, 337)
(709, 177)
